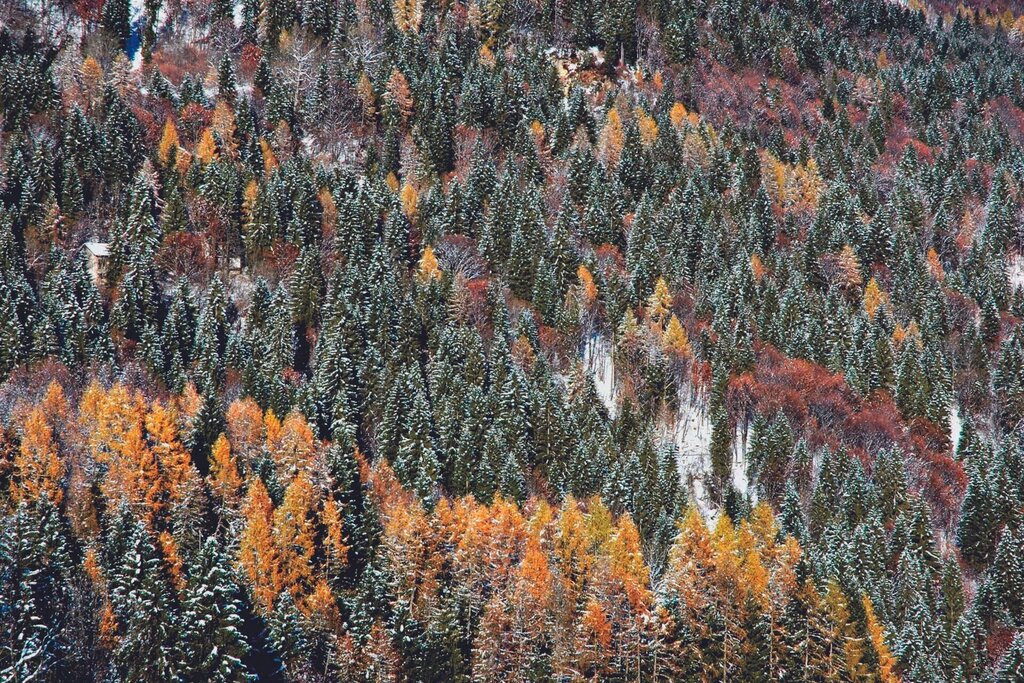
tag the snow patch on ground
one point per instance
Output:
(740, 475)
(692, 429)
(702, 499)
(597, 360)
(689, 431)
(1015, 271)
(137, 19)
(955, 425)
(691, 436)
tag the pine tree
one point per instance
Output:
(17, 299)
(1011, 666)
(979, 516)
(226, 83)
(1007, 576)
(890, 481)
(791, 518)
(361, 530)
(115, 18)
(71, 307)
(137, 296)
(288, 637)
(214, 646)
(122, 148)
(320, 17)
(211, 339)
(35, 579)
(145, 608)
(721, 447)
(417, 463)
(207, 425)
(966, 654)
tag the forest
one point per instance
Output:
(511, 341)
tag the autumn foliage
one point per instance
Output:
(568, 585)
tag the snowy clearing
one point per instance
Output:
(597, 359)
(1015, 271)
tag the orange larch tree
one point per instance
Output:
(294, 535)
(225, 481)
(258, 555)
(180, 478)
(38, 468)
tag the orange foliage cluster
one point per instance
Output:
(571, 581)
(135, 449)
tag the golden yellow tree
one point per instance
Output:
(291, 444)
(113, 424)
(934, 264)
(257, 552)
(105, 418)
(677, 114)
(611, 139)
(428, 269)
(92, 80)
(535, 582)
(757, 267)
(409, 200)
(496, 654)
(408, 15)
(848, 268)
(320, 607)
(329, 220)
(627, 566)
(399, 94)
(675, 340)
(169, 143)
(874, 297)
(134, 476)
(367, 97)
(886, 661)
(294, 534)
(659, 304)
(223, 124)
(245, 430)
(572, 548)
(594, 640)
(335, 548)
(647, 126)
(272, 430)
(269, 158)
(172, 559)
(38, 467)
(206, 150)
(691, 564)
(224, 478)
(179, 476)
(587, 285)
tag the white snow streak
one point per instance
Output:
(689, 431)
(1015, 271)
(597, 359)
(955, 425)
(740, 478)
(691, 435)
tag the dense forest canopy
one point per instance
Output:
(511, 340)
